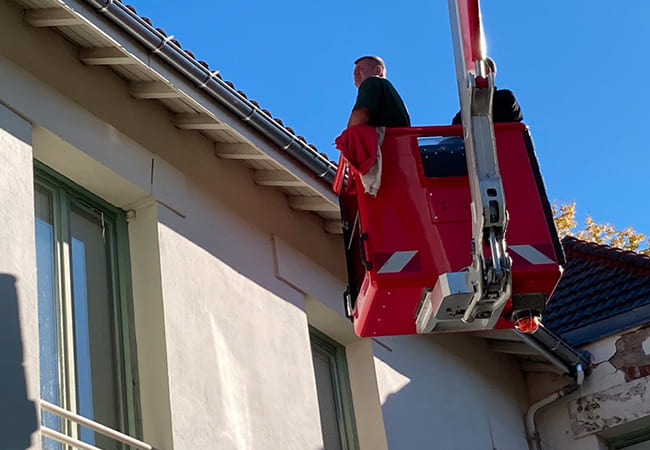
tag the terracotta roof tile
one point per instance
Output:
(218, 75)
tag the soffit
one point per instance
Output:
(97, 48)
(509, 342)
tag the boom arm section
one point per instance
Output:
(487, 284)
(491, 277)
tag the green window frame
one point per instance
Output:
(87, 347)
(631, 441)
(334, 393)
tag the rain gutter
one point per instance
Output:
(557, 351)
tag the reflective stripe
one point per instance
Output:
(531, 254)
(397, 261)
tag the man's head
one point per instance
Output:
(366, 67)
(492, 66)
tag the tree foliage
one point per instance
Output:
(626, 239)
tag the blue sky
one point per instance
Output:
(578, 68)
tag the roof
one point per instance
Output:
(157, 68)
(218, 75)
(603, 290)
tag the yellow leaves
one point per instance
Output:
(564, 218)
(607, 234)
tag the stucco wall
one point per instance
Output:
(225, 359)
(611, 403)
(449, 392)
(239, 359)
(19, 386)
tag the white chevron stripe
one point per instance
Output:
(531, 254)
(397, 261)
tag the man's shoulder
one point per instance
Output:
(372, 82)
(504, 93)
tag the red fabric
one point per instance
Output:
(358, 144)
(341, 183)
(339, 178)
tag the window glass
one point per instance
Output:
(645, 445)
(334, 396)
(82, 342)
(637, 440)
(47, 309)
(443, 156)
(93, 317)
(326, 401)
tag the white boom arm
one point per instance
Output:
(477, 295)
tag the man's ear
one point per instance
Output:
(379, 71)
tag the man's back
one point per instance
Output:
(384, 104)
(505, 108)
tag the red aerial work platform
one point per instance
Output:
(419, 226)
(436, 250)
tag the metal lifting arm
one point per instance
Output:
(489, 277)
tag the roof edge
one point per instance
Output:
(560, 349)
(629, 258)
(208, 81)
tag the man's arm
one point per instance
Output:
(359, 116)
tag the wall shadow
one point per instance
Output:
(454, 394)
(18, 418)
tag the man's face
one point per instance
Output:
(363, 70)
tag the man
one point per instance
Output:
(505, 107)
(378, 103)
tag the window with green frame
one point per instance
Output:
(334, 396)
(87, 348)
(639, 440)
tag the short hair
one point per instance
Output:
(376, 59)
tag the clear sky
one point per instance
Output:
(579, 68)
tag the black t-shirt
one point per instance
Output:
(383, 102)
(505, 108)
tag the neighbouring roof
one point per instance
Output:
(603, 290)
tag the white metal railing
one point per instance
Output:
(98, 427)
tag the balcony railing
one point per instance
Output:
(97, 427)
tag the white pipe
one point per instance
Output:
(102, 429)
(530, 414)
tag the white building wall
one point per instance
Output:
(608, 405)
(449, 392)
(19, 387)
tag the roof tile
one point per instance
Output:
(218, 75)
(599, 282)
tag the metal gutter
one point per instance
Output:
(161, 45)
(557, 351)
